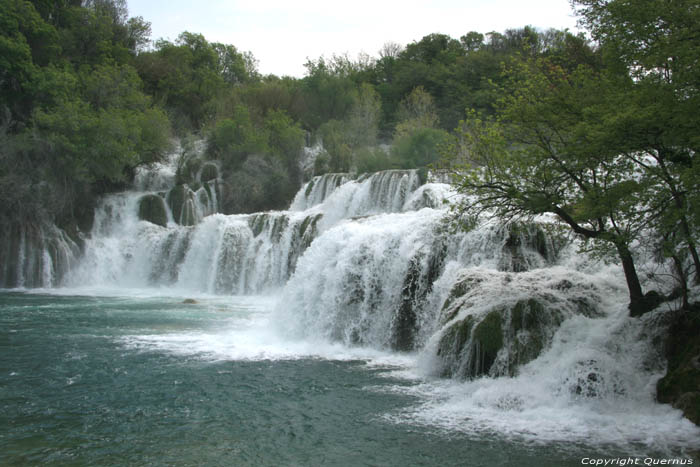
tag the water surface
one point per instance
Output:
(137, 380)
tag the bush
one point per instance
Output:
(419, 148)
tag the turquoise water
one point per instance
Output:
(141, 380)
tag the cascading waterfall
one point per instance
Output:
(163, 234)
(35, 255)
(372, 262)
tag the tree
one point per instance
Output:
(233, 139)
(653, 116)
(654, 38)
(541, 156)
(416, 111)
(363, 120)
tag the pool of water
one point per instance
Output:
(139, 379)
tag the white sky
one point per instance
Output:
(282, 34)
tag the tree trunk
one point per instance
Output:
(637, 304)
(682, 279)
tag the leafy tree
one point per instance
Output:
(189, 76)
(416, 111)
(363, 120)
(419, 148)
(369, 160)
(260, 184)
(540, 156)
(285, 140)
(233, 139)
(338, 157)
(652, 118)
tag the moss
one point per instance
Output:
(681, 385)
(423, 175)
(540, 243)
(458, 290)
(453, 345)
(404, 326)
(209, 172)
(176, 199)
(257, 223)
(456, 336)
(689, 403)
(309, 188)
(487, 341)
(188, 213)
(152, 209)
(308, 230)
(278, 227)
(531, 325)
(207, 188)
(521, 236)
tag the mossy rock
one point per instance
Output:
(187, 173)
(689, 403)
(309, 188)
(458, 290)
(152, 209)
(511, 335)
(531, 327)
(422, 175)
(455, 337)
(681, 385)
(278, 227)
(256, 223)
(524, 236)
(180, 199)
(487, 341)
(176, 198)
(209, 172)
(308, 230)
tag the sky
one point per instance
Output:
(282, 35)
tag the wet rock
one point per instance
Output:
(152, 209)
(209, 172)
(496, 337)
(680, 387)
(181, 202)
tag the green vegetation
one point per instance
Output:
(86, 99)
(75, 121)
(603, 135)
(602, 138)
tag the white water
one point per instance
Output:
(360, 268)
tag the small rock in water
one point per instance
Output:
(190, 301)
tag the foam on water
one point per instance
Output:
(594, 386)
(361, 270)
(245, 331)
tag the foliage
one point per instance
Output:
(261, 183)
(416, 111)
(419, 148)
(234, 139)
(76, 121)
(373, 160)
(603, 140)
(542, 155)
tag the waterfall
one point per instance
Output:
(162, 234)
(35, 255)
(371, 261)
(515, 318)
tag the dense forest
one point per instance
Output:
(87, 97)
(600, 132)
